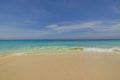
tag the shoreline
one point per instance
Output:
(60, 50)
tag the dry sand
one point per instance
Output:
(60, 67)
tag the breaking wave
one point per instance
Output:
(61, 50)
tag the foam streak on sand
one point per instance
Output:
(60, 50)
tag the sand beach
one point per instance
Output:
(60, 67)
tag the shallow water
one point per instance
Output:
(20, 47)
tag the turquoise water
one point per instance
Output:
(8, 45)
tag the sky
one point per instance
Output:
(59, 19)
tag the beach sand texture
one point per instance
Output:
(60, 67)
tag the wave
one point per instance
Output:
(61, 50)
(101, 50)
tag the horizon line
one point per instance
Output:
(59, 39)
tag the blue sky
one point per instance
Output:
(59, 19)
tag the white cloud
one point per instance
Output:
(93, 25)
(72, 27)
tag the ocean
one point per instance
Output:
(20, 47)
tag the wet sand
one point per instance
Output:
(60, 67)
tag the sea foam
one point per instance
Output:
(62, 50)
(102, 50)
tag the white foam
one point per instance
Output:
(102, 50)
(18, 54)
(64, 50)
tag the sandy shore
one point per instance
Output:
(60, 67)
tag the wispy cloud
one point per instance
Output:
(72, 27)
(87, 29)
(93, 25)
(116, 9)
